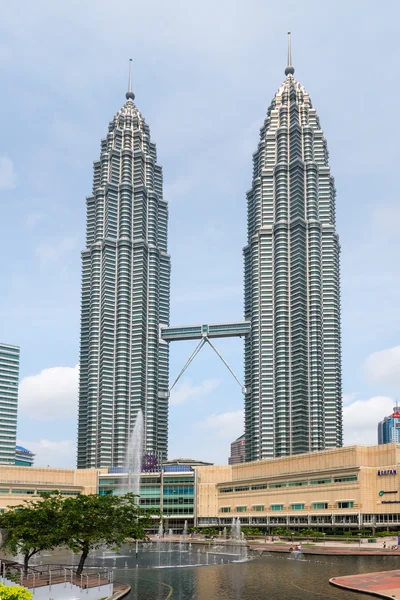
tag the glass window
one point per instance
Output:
(320, 481)
(226, 490)
(260, 486)
(277, 485)
(298, 483)
(345, 504)
(320, 505)
(297, 506)
(345, 478)
(225, 509)
(241, 508)
(242, 489)
(258, 507)
(277, 506)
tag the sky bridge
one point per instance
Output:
(204, 333)
(198, 332)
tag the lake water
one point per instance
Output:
(272, 577)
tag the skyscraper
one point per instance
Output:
(9, 377)
(389, 428)
(238, 451)
(292, 292)
(125, 297)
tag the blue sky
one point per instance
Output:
(204, 75)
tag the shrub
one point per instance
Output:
(252, 531)
(12, 592)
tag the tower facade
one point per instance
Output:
(293, 399)
(9, 378)
(125, 297)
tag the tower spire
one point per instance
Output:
(129, 94)
(289, 69)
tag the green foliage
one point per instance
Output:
(252, 531)
(282, 531)
(89, 522)
(82, 523)
(310, 533)
(32, 527)
(12, 592)
(209, 531)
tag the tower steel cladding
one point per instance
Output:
(125, 297)
(293, 400)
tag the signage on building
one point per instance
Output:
(396, 415)
(388, 472)
(383, 492)
(390, 501)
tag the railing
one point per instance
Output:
(48, 575)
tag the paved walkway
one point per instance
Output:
(338, 550)
(384, 585)
(120, 591)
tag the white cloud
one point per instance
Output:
(228, 424)
(50, 253)
(187, 390)
(349, 398)
(361, 418)
(52, 394)
(61, 453)
(383, 367)
(7, 174)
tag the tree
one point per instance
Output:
(32, 527)
(12, 592)
(89, 522)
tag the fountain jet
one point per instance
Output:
(133, 457)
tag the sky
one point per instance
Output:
(204, 75)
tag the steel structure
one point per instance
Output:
(293, 398)
(125, 297)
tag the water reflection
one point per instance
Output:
(274, 577)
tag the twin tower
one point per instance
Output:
(292, 359)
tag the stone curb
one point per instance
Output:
(121, 593)
(358, 590)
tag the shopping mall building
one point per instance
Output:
(351, 487)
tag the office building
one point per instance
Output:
(354, 487)
(125, 297)
(389, 428)
(9, 379)
(238, 451)
(169, 488)
(293, 399)
(23, 457)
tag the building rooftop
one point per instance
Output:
(186, 461)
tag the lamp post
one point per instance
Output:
(359, 539)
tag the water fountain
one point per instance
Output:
(296, 553)
(236, 529)
(133, 458)
(224, 534)
(185, 529)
